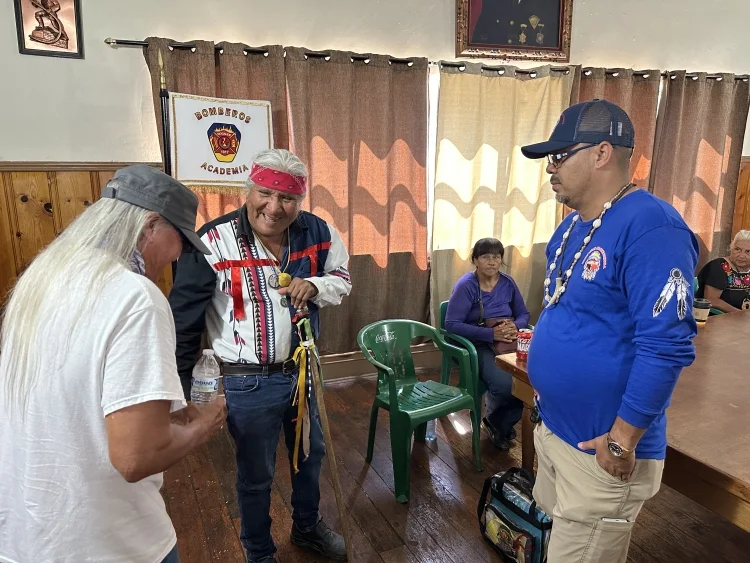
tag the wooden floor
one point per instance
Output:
(438, 525)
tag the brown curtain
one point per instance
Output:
(246, 74)
(228, 73)
(698, 151)
(638, 94)
(361, 127)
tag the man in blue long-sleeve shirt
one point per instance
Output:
(615, 333)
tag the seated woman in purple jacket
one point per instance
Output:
(497, 296)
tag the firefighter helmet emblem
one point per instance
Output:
(225, 141)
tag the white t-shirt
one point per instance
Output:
(61, 499)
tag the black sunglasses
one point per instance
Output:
(557, 159)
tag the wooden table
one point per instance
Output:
(708, 421)
(521, 389)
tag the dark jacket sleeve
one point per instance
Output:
(194, 285)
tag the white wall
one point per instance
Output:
(100, 108)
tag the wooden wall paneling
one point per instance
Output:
(38, 166)
(8, 259)
(71, 193)
(742, 201)
(33, 213)
(38, 201)
(10, 201)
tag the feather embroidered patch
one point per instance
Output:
(676, 284)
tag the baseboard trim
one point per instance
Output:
(18, 166)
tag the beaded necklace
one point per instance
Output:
(561, 283)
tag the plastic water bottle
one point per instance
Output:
(206, 376)
(430, 434)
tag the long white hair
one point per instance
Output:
(93, 249)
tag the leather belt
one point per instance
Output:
(287, 368)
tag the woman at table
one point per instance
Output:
(487, 307)
(725, 282)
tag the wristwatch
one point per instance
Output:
(616, 449)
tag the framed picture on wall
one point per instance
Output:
(51, 28)
(536, 30)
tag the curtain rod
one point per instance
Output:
(135, 43)
(394, 60)
(499, 69)
(588, 70)
(248, 50)
(645, 74)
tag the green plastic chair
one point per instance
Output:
(696, 286)
(412, 403)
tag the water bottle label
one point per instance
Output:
(208, 385)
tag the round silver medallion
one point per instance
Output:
(273, 281)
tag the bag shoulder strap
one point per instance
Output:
(480, 321)
(483, 497)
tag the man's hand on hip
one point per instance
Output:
(619, 467)
(300, 291)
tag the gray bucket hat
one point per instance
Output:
(151, 189)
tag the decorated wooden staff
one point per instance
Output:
(308, 360)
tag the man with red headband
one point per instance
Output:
(268, 260)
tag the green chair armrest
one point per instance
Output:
(469, 346)
(463, 341)
(388, 373)
(473, 358)
(467, 378)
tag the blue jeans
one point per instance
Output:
(172, 557)
(503, 409)
(259, 406)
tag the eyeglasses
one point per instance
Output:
(557, 159)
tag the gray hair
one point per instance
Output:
(741, 235)
(89, 253)
(281, 160)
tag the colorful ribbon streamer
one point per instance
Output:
(304, 355)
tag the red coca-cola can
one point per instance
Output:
(522, 348)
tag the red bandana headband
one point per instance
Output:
(280, 181)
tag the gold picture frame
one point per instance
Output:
(533, 30)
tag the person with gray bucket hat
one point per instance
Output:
(92, 409)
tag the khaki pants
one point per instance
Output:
(581, 497)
